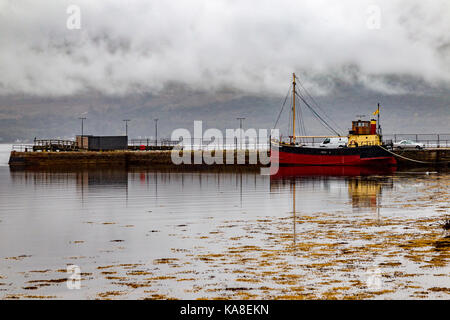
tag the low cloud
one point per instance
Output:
(126, 47)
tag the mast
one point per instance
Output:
(293, 108)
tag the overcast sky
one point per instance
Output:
(132, 46)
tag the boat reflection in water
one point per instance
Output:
(330, 171)
(363, 184)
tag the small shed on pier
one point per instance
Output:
(102, 143)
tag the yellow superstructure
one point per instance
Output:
(364, 133)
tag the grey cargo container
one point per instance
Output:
(97, 143)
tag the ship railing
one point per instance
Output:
(306, 141)
(368, 143)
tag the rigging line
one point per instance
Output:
(297, 116)
(321, 121)
(290, 117)
(300, 123)
(302, 120)
(318, 106)
(317, 115)
(303, 125)
(299, 112)
(285, 99)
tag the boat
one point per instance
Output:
(364, 146)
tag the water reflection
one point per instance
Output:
(173, 226)
(363, 185)
(366, 192)
(153, 183)
(83, 178)
(330, 171)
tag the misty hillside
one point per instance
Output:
(25, 118)
(219, 60)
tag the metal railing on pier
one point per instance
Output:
(54, 145)
(437, 140)
(151, 144)
(430, 140)
(214, 144)
(22, 147)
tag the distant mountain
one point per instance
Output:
(23, 118)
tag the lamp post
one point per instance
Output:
(82, 123)
(126, 126)
(240, 131)
(82, 130)
(156, 131)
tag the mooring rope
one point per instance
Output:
(413, 160)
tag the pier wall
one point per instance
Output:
(159, 159)
(162, 159)
(431, 157)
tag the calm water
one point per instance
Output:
(144, 234)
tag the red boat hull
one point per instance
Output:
(360, 156)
